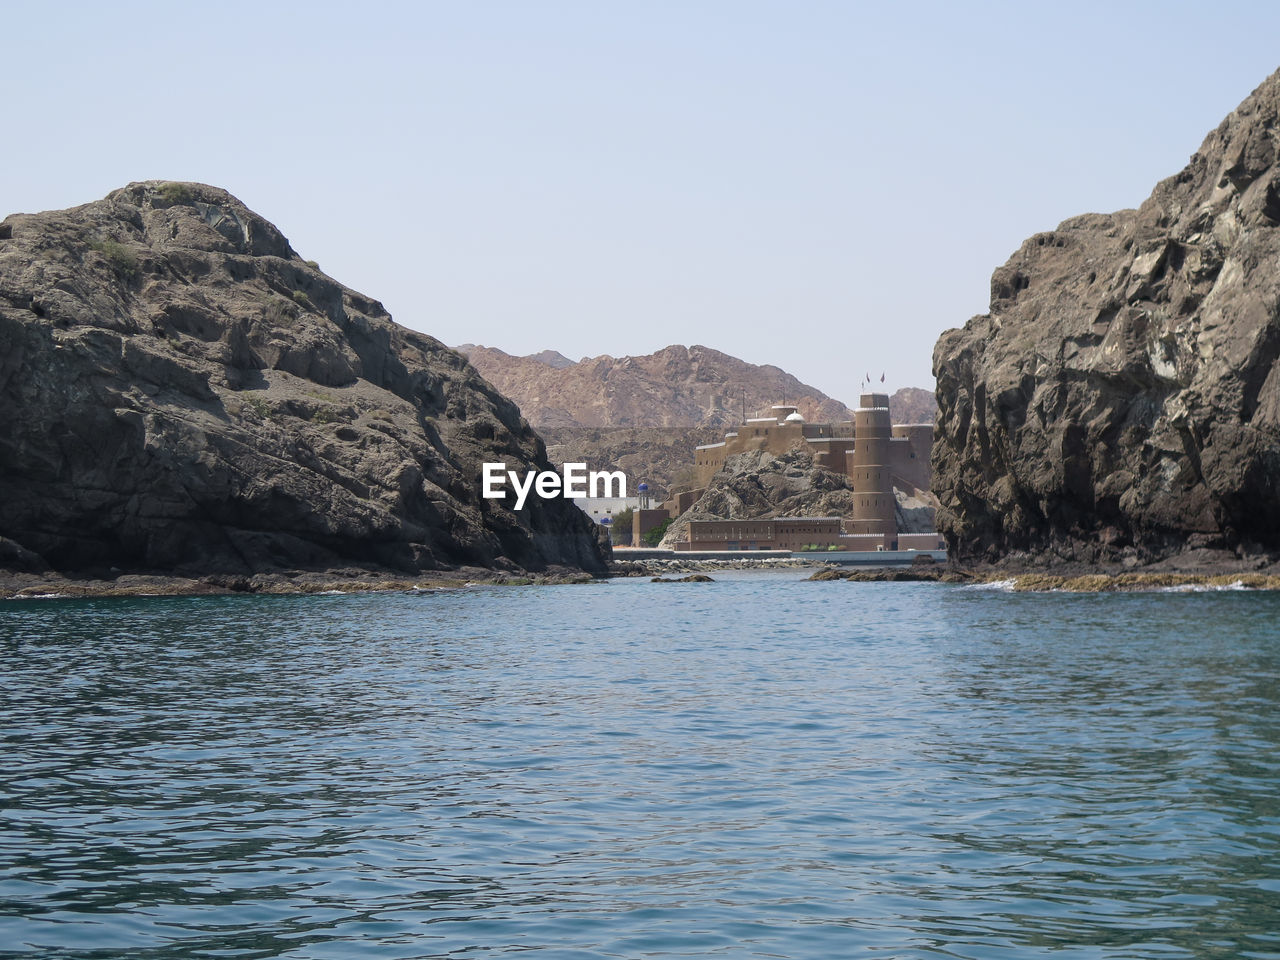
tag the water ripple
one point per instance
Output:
(760, 767)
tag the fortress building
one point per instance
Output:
(903, 449)
(874, 453)
(867, 465)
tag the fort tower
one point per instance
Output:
(869, 466)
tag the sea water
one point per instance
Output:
(756, 767)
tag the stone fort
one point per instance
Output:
(874, 453)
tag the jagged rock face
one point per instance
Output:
(1122, 398)
(181, 392)
(677, 386)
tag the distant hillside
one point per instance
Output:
(675, 387)
(552, 358)
(912, 405)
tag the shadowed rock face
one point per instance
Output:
(1122, 398)
(181, 392)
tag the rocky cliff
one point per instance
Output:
(181, 392)
(1121, 400)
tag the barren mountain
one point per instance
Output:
(675, 387)
(181, 392)
(1121, 399)
(912, 405)
(552, 358)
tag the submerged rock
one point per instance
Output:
(1121, 400)
(182, 392)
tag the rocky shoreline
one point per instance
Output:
(27, 585)
(1062, 583)
(1196, 573)
(21, 586)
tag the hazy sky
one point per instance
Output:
(824, 186)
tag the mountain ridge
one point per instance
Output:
(522, 377)
(677, 386)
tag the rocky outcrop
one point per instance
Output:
(758, 484)
(182, 392)
(915, 512)
(676, 387)
(1121, 400)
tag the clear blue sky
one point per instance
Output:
(824, 186)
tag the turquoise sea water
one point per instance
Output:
(758, 767)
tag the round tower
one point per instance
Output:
(873, 503)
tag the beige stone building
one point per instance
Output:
(904, 448)
(782, 533)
